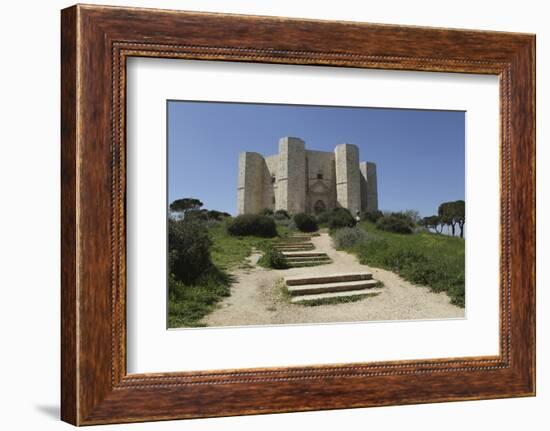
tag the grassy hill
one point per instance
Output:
(424, 258)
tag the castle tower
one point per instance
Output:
(348, 188)
(369, 186)
(250, 184)
(292, 175)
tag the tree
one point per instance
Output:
(433, 222)
(413, 215)
(183, 206)
(447, 214)
(460, 215)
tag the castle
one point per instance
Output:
(299, 180)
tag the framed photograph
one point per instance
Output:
(263, 214)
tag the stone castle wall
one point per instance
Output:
(291, 178)
(300, 180)
(348, 186)
(250, 185)
(369, 186)
(321, 181)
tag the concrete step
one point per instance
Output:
(331, 278)
(342, 286)
(306, 298)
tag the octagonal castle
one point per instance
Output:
(299, 180)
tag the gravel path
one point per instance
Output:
(256, 297)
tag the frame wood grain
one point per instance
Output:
(95, 43)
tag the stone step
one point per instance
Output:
(307, 259)
(295, 242)
(342, 286)
(294, 249)
(331, 278)
(306, 263)
(306, 298)
(304, 245)
(304, 254)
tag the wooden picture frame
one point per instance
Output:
(95, 43)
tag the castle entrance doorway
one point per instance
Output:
(319, 206)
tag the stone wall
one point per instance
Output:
(369, 186)
(291, 178)
(250, 183)
(348, 187)
(321, 184)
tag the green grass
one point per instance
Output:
(189, 303)
(229, 251)
(432, 260)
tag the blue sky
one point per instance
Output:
(419, 153)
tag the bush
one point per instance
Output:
(341, 217)
(305, 222)
(196, 215)
(348, 237)
(266, 211)
(252, 225)
(281, 215)
(273, 259)
(188, 249)
(323, 217)
(285, 222)
(217, 215)
(396, 222)
(371, 216)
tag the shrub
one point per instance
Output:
(188, 249)
(371, 216)
(281, 215)
(273, 259)
(252, 224)
(284, 222)
(217, 215)
(196, 215)
(396, 222)
(305, 222)
(323, 217)
(266, 211)
(341, 217)
(348, 237)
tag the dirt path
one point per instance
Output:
(256, 298)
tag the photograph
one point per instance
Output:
(281, 214)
